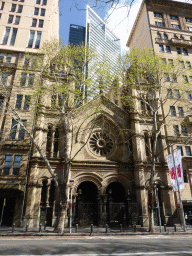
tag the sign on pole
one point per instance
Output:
(179, 169)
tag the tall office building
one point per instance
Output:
(166, 26)
(76, 35)
(101, 38)
(24, 27)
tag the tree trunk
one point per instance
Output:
(67, 158)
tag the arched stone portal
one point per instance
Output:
(87, 204)
(117, 192)
(117, 209)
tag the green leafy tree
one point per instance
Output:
(147, 88)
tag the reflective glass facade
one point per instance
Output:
(76, 34)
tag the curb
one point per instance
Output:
(93, 234)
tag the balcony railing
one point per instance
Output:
(175, 41)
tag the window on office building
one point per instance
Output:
(185, 52)
(161, 48)
(188, 150)
(183, 130)
(10, 19)
(173, 17)
(13, 129)
(20, 8)
(158, 15)
(17, 20)
(13, 8)
(167, 48)
(175, 26)
(19, 101)
(176, 130)
(38, 39)
(13, 36)
(2, 6)
(172, 110)
(6, 35)
(34, 22)
(21, 134)
(180, 111)
(36, 11)
(159, 24)
(181, 149)
(7, 164)
(42, 12)
(176, 94)
(41, 23)
(169, 93)
(178, 49)
(31, 39)
(16, 165)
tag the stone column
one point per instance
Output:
(47, 194)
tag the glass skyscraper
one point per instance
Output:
(100, 38)
(76, 34)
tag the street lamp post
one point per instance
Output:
(70, 215)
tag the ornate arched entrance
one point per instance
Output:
(87, 204)
(117, 210)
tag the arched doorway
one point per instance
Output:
(87, 204)
(116, 206)
(10, 206)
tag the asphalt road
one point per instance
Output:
(93, 246)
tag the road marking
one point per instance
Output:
(85, 243)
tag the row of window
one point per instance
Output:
(22, 102)
(187, 150)
(34, 37)
(166, 37)
(26, 79)
(40, 11)
(180, 111)
(7, 39)
(8, 57)
(160, 15)
(187, 64)
(172, 17)
(12, 162)
(16, 8)
(40, 23)
(177, 94)
(173, 78)
(13, 19)
(17, 131)
(167, 49)
(173, 111)
(183, 130)
(43, 2)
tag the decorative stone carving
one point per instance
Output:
(101, 143)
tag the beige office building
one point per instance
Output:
(24, 26)
(166, 27)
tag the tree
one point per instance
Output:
(147, 94)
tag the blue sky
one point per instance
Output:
(118, 22)
(69, 14)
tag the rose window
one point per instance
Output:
(101, 144)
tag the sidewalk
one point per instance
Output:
(86, 231)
